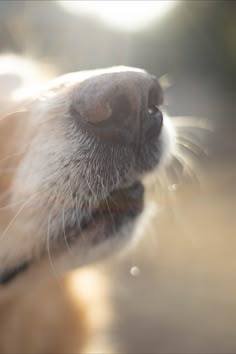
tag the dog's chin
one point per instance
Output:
(107, 230)
(106, 221)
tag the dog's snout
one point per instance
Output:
(119, 107)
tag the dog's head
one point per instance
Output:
(77, 153)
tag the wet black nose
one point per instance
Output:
(119, 107)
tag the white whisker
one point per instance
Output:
(10, 205)
(94, 195)
(192, 123)
(48, 248)
(15, 217)
(193, 137)
(77, 217)
(75, 203)
(90, 187)
(112, 218)
(64, 231)
(191, 146)
(12, 155)
(186, 166)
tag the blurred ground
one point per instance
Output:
(184, 298)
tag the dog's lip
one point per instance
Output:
(121, 203)
(10, 274)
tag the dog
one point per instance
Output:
(73, 156)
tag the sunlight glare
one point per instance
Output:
(125, 15)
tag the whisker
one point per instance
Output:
(94, 195)
(204, 150)
(89, 187)
(13, 155)
(75, 203)
(174, 174)
(193, 148)
(192, 123)
(186, 166)
(64, 231)
(15, 217)
(10, 205)
(48, 248)
(109, 210)
(77, 217)
(194, 136)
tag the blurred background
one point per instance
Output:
(176, 292)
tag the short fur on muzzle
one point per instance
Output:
(73, 157)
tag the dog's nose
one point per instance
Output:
(119, 107)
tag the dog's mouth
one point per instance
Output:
(121, 206)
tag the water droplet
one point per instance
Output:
(135, 271)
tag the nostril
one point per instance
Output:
(108, 115)
(119, 107)
(100, 107)
(152, 110)
(153, 118)
(153, 124)
(93, 112)
(114, 112)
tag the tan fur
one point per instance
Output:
(26, 327)
(40, 312)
